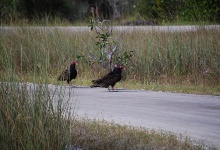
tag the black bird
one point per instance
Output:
(68, 75)
(109, 79)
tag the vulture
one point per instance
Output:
(68, 74)
(109, 79)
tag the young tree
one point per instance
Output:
(109, 52)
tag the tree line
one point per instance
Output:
(186, 10)
(73, 10)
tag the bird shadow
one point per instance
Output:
(122, 90)
(116, 90)
(77, 86)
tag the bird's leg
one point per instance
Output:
(69, 83)
(113, 88)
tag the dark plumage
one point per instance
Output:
(68, 75)
(109, 79)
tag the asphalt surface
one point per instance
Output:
(195, 116)
(77, 29)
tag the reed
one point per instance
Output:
(29, 120)
(34, 117)
(171, 58)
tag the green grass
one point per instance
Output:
(160, 60)
(113, 136)
(29, 120)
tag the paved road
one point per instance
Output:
(68, 29)
(196, 116)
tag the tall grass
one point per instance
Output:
(29, 120)
(189, 58)
(175, 55)
(34, 117)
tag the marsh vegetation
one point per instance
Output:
(184, 61)
(187, 61)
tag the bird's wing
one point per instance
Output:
(114, 79)
(103, 78)
(73, 74)
(109, 79)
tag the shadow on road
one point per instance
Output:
(87, 87)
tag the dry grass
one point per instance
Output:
(29, 119)
(179, 58)
(104, 135)
(180, 61)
